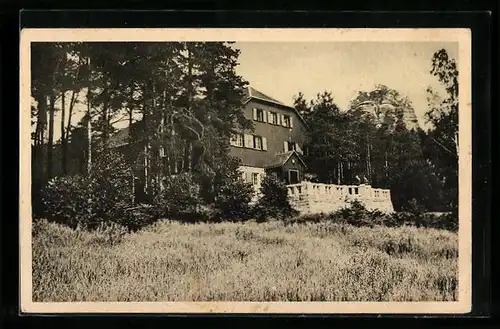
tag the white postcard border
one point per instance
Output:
(462, 36)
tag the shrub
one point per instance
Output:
(233, 200)
(274, 200)
(446, 221)
(111, 185)
(414, 207)
(66, 200)
(180, 197)
(87, 201)
(139, 216)
(224, 190)
(355, 214)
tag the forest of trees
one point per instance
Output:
(186, 95)
(420, 167)
(189, 100)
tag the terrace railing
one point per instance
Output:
(308, 197)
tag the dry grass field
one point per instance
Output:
(170, 261)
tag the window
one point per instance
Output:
(260, 115)
(237, 140)
(273, 118)
(286, 121)
(290, 146)
(257, 142)
(255, 178)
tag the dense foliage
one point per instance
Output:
(273, 202)
(88, 201)
(378, 141)
(180, 197)
(357, 215)
(182, 101)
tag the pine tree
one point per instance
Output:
(330, 147)
(441, 141)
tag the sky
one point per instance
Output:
(281, 70)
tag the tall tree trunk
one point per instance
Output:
(50, 145)
(368, 161)
(162, 139)
(342, 172)
(386, 164)
(130, 109)
(188, 147)
(66, 132)
(145, 118)
(187, 156)
(40, 135)
(89, 119)
(133, 188)
(338, 172)
(63, 134)
(105, 119)
(153, 154)
(74, 96)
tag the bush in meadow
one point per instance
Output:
(231, 196)
(180, 197)
(273, 202)
(233, 201)
(66, 200)
(355, 213)
(90, 200)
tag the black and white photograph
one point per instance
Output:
(245, 170)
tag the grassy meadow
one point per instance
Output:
(171, 261)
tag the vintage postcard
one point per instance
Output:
(245, 171)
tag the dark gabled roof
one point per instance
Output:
(254, 93)
(281, 158)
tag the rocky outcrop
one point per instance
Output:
(386, 112)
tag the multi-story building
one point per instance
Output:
(275, 146)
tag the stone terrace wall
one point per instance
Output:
(307, 197)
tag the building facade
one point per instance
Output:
(275, 146)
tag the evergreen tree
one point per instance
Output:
(441, 141)
(329, 146)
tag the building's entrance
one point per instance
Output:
(293, 176)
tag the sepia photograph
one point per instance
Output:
(245, 170)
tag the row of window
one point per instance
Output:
(273, 118)
(260, 143)
(249, 141)
(255, 178)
